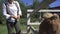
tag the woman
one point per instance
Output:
(12, 12)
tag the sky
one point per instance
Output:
(27, 2)
(30, 2)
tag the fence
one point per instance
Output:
(30, 25)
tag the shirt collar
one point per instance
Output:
(12, 2)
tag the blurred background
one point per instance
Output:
(25, 5)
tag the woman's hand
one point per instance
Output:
(16, 17)
(13, 17)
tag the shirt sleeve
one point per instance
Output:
(19, 9)
(4, 11)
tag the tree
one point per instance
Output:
(44, 4)
(23, 9)
(1, 15)
(35, 4)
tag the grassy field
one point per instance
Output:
(3, 29)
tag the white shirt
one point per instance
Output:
(11, 9)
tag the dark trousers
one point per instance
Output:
(10, 26)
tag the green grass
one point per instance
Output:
(3, 29)
(23, 27)
(36, 26)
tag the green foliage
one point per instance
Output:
(24, 10)
(23, 21)
(35, 16)
(35, 4)
(2, 19)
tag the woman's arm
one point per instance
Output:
(19, 9)
(4, 11)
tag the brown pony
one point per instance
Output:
(50, 25)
